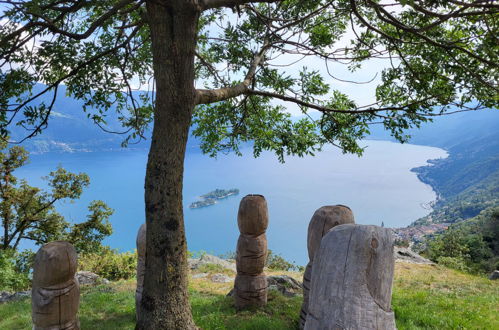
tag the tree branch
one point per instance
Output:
(322, 108)
(212, 4)
(206, 96)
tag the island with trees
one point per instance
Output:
(212, 197)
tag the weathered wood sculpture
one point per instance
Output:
(55, 296)
(141, 265)
(250, 286)
(352, 280)
(322, 221)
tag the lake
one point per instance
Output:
(378, 187)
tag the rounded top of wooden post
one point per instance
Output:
(322, 221)
(55, 263)
(253, 215)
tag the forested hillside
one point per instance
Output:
(467, 182)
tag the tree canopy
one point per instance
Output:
(250, 53)
(233, 67)
(28, 213)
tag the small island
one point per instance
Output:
(212, 197)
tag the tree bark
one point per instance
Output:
(165, 304)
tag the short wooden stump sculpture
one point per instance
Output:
(352, 280)
(250, 286)
(322, 221)
(55, 296)
(141, 266)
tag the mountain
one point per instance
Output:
(70, 129)
(466, 182)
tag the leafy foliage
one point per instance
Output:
(436, 54)
(14, 276)
(109, 263)
(277, 262)
(471, 245)
(28, 213)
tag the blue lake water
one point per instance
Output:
(378, 187)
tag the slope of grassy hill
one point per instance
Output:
(424, 297)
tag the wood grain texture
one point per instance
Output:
(251, 254)
(253, 215)
(323, 220)
(352, 278)
(250, 290)
(55, 291)
(141, 265)
(250, 286)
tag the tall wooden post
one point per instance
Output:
(250, 285)
(322, 221)
(55, 295)
(351, 284)
(141, 266)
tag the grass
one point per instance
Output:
(424, 297)
(432, 297)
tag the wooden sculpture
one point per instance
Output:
(141, 265)
(351, 285)
(55, 291)
(250, 285)
(322, 221)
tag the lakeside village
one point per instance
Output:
(212, 197)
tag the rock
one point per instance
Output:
(286, 285)
(7, 296)
(494, 275)
(407, 255)
(200, 275)
(88, 278)
(209, 259)
(221, 278)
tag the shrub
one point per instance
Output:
(457, 263)
(110, 263)
(277, 262)
(401, 243)
(13, 275)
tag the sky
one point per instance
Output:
(362, 94)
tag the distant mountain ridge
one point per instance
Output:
(70, 130)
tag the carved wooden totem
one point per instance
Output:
(55, 296)
(141, 266)
(351, 284)
(250, 285)
(322, 221)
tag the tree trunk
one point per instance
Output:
(165, 303)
